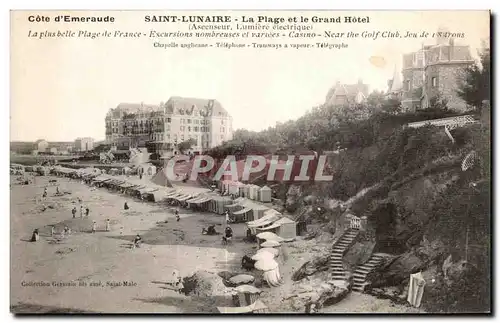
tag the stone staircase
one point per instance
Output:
(339, 249)
(359, 275)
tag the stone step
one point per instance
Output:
(362, 270)
(342, 244)
(359, 279)
(356, 274)
(335, 266)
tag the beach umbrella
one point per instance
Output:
(270, 244)
(263, 256)
(269, 236)
(272, 251)
(266, 264)
(247, 289)
(241, 279)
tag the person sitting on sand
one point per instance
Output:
(209, 231)
(73, 211)
(228, 232)
(67, 231)
(44, 195)
(137, 241)
(107, 225)
(125, 206)
(94, 226)
(35, 236)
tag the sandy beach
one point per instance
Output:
(100, 272)
(106, 257)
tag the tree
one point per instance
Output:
(476, 85)
(186, 145)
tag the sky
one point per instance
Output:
(62, 88)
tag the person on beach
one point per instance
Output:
(73, 211)
(35, 236)
(177, 215)
(125, 206)
(137, 241)
(107, 225)
(57, 191)
(87, 211)
(44, 195)
(52, 230)
(81, 211)
(67, 231)
(227, 216)
(94, 226)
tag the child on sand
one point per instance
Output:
(35, 236)
(107, 225)
(81, 211)
(73, 211)
(94, 226)
(125, 206)
(137, 241)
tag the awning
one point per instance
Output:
(233, 205)
(184, 198)
(272, 226)
(266, 219)
(245, 210)
(175, 196)
(203, 200)
(194, 199)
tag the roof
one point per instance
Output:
(187, 104)
(136, 107)
(349, 90)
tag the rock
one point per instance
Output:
(241, 279)
(396, 271)
(311, 267)
(204, 284)
(310, 199)
(226, 275)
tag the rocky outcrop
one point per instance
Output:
(309, 268)
(316, 293)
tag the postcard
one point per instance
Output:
(250, 162)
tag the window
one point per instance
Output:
(189, 129)
(169, 120)
(195, 129)
(182, 120)
(434, 81)
(189, 121)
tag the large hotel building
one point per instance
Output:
(162, 127)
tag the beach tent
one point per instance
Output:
(258, 210)
(242, 215)
(416, 289)
(127, 170)
(265, 194)
(147, 169)
(161, 179)
(254, 192)
(283, 227)
(245, 190)
(217, 204)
